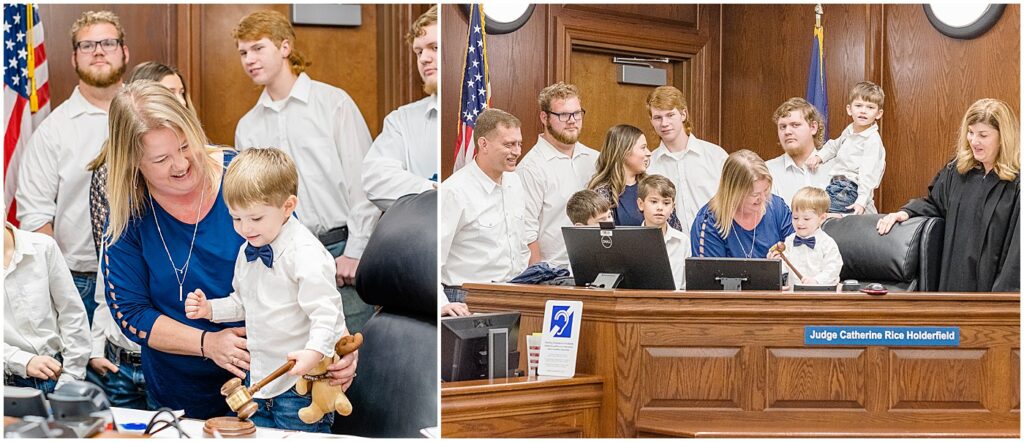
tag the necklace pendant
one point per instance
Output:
(180, 298)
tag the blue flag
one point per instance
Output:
(816, 91)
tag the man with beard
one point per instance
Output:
(403, 158)
(692, 164)
(799, 125)
(555, 168)
(321, 128)
(53, 183)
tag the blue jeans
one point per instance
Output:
(127, 387)
(842, 193)
(357, 312)
(46, 385)
(455, 294)
(86, 286)
(282, 412)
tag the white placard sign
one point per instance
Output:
(561, 338)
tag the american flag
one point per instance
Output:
(26, 89)
(476, 87)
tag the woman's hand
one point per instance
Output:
(344, 371)
(885, 224)
(228, 350)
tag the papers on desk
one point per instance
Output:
(129, 420)
(431, 432)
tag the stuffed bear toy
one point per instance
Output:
(327, 398)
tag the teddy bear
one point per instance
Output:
(327, 398)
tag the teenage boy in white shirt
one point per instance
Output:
(556, 167)
(799, 126)
(656, 197)
(284, 286)
(403, 158)
(482, 209)
(321, 128)
(46, 336)
(693, 165)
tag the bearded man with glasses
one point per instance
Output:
(555, 168)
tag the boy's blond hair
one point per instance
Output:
(811, 198)
(557, 91)
(867, 91)
(276, 27)
(260, 176)
(426, 19)
(808, 111)
(657, 185)
(584, 205)
(90, 18)
(667, 98)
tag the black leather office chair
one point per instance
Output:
(908, 258)
(396, 386)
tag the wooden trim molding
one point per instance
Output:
(399, 77)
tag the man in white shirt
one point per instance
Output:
(404, 158)
(46, 337)
(692, 164)
(482, 209)
(321, 128)
(53, 183)
(799, 126)
(555, 168)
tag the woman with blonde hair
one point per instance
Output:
(978, 195)
(169, 233)
(620, 166)
(744, 218)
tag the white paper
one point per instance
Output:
(561, 339)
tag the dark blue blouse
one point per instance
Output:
(775, 226)
(627, 212)
(141, 286)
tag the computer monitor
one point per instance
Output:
(636, 254)
(465, 341)
(733, 274)
(24, 401)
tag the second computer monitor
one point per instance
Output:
(636, 254)
(733, 274)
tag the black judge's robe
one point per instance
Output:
(981, 245)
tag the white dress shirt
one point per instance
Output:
(695, 172)
(860, 157)
(788, 178)
(404, 158)
(823, 262)
(291, 306)
(53, 183)
(549, 178)
(104, 328)
(321, 128)
(43, 313)
(677, 245)
(481, 227)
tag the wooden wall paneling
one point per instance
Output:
(517, 66)
(674, 15)
(929, 81)
(704, 96)
(400, 81)
(139, 23)
(795, 378)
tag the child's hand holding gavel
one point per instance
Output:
(197, 307)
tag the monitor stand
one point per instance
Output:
(606, 281)
(731, 284)
(497, 351)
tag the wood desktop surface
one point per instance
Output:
(519, 407)
(679, 363)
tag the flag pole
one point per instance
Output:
(31, 49)
(818, 12)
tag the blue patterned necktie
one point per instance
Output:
(265, 253)
(798, 241)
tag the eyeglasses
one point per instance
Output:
(565, 116)
(89, 46)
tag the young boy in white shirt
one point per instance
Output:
(46, 334)
(587, 208)
(284, 286)
(858, 152)
(656, 199)
(814, 254)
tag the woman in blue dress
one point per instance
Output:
(169, 233)
(744, 219)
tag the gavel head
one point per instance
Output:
(239, 398)
(780, 247)
(348, 344)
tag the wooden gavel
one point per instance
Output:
(240, 399)
(781, 247)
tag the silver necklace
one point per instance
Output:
(183, 271)
(752, 242)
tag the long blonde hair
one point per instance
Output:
(137, 109)
(997, 114)
(611, 164)
(739, 173)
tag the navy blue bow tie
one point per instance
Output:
(798, 241)
(265, 253)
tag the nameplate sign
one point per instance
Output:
(882, 336)
(561, 338)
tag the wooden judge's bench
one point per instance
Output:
(735, 364)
